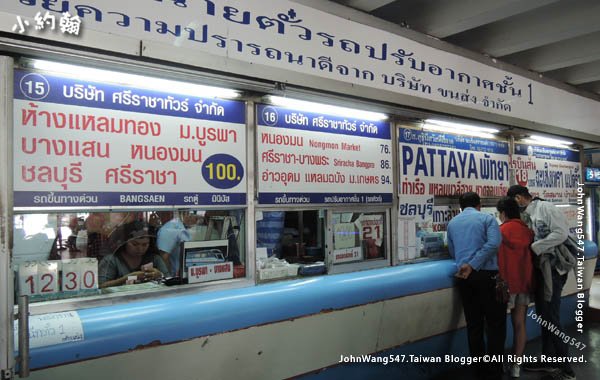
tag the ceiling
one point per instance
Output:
(559, 39)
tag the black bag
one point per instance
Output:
(502, 292)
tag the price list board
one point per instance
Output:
(311, 158)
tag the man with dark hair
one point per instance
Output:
(473, 240)
(552, 264)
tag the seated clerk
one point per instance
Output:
(135, 254)
(100, 228)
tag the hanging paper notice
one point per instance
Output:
(371, 227)
(344, 235)
(408, 248)
(51, 329)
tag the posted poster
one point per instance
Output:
(78, 142)
(52, 329)
(310, 158)
(549, 173)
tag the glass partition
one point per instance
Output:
(74, 254)
(290, 244)
(359, 236)
(299, 243)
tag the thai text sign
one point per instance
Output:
(210, 272)
(347, 255)
(308, 158)
(435, 164)
(441, 164)
(290, 36)
(550, 173)
(84, 143)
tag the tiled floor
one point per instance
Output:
(584, 371)
(590, 370)
(590, 337)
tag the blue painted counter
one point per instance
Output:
(120, 328)
(169, 319)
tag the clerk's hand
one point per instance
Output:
(144, 276)
(152, 274)
(139, 276)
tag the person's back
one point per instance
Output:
(473, 240)
(473, 236)
(515, 259)
(548, 224)
(468, 236)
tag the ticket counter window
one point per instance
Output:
(290, 244)
(358, 236)
(66, 255)
(427, 239)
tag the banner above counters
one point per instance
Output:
(294, 37)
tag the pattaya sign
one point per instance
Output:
(287, 35)
(441, 164)
(305, 158)
(83, 143)
(435, 164)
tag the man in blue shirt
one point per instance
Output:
(473, 241)
(170, 235)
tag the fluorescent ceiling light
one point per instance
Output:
(461, 127)
(302, 105)
(545, 143)
(139, 81)
(550, 140)
(439, 128)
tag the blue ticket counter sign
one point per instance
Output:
(309, 158)
(84, 143)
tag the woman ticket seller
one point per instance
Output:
(135, 257)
